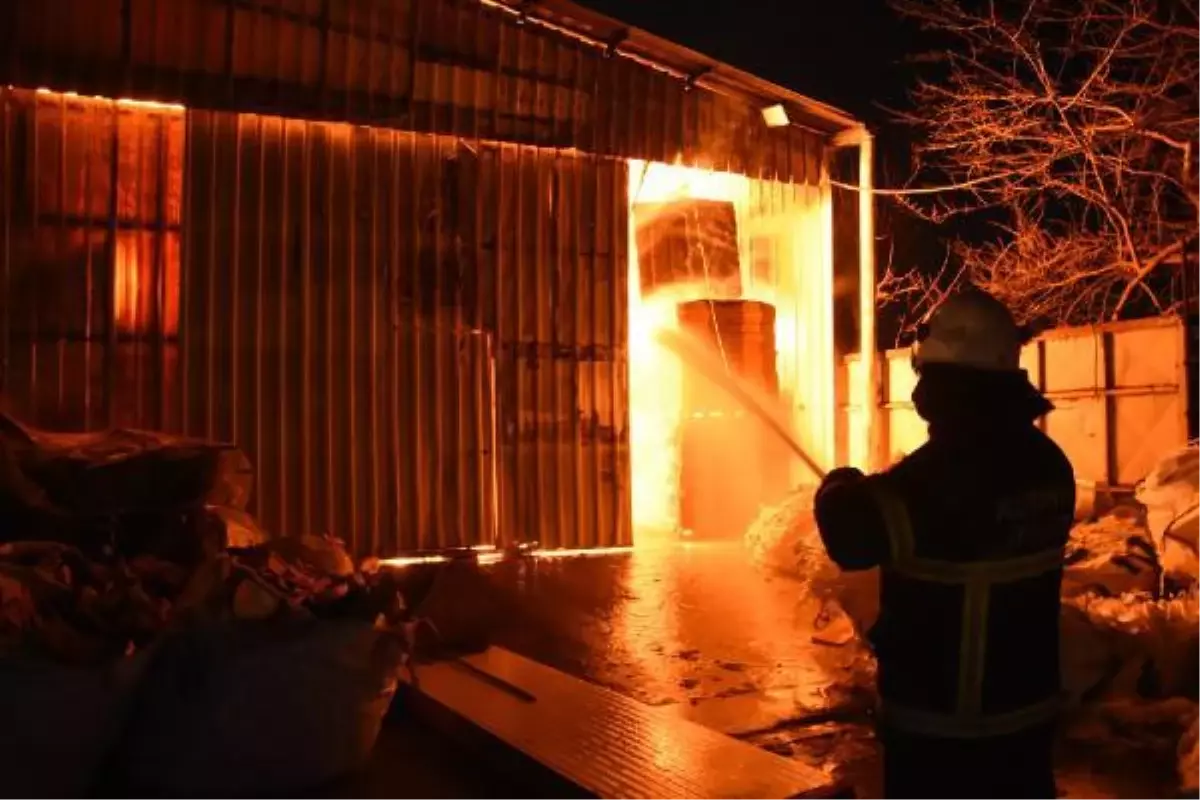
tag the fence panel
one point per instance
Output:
(1120, 393)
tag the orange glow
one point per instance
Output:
(123, 102)
(656, 374)
(145, 263)
(568, 552)
(149, 105)
(127, 288)
(490, 555)
(137, 307)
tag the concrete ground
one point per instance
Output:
(696, 627)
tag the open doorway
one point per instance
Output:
(740, 267)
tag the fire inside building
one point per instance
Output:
(412, 257)
(422, 262)
(335, 333)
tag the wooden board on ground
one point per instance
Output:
(604, 743)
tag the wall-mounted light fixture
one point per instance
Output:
(775, 116)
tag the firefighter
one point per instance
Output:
(969, 533)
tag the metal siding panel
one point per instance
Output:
(575, 275)
(428, 65)
(1149, 406)
(91, 223)
(1032, 358)
(900, 377)
(622, 532)
(1131, 345)
(1119, 391)
(909, 431)
(1074, 363)
(595, 211)
(562, 376)
(336, 303)
(1078, 426)
(1145, 428)
(326, 328)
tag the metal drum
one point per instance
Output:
(729, 466)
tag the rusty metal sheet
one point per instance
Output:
(607, 744)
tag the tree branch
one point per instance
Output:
(1075, 130)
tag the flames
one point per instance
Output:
(655, 373)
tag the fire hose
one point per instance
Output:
(715, 370)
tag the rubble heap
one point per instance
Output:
(150, 630)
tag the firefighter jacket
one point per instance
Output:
(969, 533)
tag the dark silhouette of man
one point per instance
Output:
(969, 532)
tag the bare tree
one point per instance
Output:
(1071, 126)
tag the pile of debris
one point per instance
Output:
(152, 635)
(1171, 496)
(783, 540)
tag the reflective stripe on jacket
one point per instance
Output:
(970, 543)
(976, 580)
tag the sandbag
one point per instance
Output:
(235, 528)
(1171, 494)
(61, 723)
(460, 608)
(127, 470)
(259, 708)
(1093, 661)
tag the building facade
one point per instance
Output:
(385, 246)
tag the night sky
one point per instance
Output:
(844, 52)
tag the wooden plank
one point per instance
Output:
(604, 743)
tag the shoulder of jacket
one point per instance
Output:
(918, 460)
(1053, 451)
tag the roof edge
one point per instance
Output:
(653, 51)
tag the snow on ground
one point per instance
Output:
(1129, 650)
(783, 541)
(751, 639)
(703, 632)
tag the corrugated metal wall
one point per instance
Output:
(460, 67)
(419, 341)
(1119, 390)
(90, 222)
(323, 266)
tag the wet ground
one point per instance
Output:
(697, 628)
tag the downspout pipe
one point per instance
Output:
(861, 138)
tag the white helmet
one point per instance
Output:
(970, 329)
